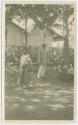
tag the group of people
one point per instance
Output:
(26, 67)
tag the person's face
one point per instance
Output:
(24, 52)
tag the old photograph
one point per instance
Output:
(39, 61)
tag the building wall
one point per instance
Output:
(15, 36)
(36, 38)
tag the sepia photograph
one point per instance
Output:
(39, 61)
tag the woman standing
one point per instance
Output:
(24, 70)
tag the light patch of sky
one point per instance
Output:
(58, 44)
(62, 32)
(30, 24)
(71, 31)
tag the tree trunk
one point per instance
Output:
(66, 38)
(26, 33)
(44, 35)
(6, 39)
(6, 32)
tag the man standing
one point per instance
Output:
(42, 60)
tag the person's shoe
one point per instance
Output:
(28, 87)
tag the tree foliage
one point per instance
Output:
(43, 15)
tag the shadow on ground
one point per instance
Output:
(49, 100)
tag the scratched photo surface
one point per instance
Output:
(39, 61)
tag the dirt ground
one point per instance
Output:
(51, 99)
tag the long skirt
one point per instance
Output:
(41, 72)
(24, 75)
